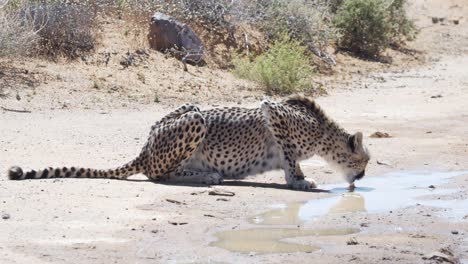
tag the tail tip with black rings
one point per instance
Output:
(15, 173)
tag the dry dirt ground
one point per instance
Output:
(424, 109)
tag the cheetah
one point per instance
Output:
(189, 145)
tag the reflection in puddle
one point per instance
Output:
(390, 192)
(349, 202)
(284, 215)
(293, 214)
(268, 240)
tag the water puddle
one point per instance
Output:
(269, 240)
(373, 195)
(382, 194)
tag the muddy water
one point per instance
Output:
(374, 195)
(268, 240)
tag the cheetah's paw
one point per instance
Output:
(212, 179)
(303, 185)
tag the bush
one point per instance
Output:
(283, 69)
(368, 27)
(363, 26)
(17, 33)
(401, 27)
(69, 29)
(303, 20)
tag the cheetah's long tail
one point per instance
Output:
(121, 173)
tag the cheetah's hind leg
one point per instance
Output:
(173, 141)
(196, 177)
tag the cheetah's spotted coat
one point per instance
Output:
(212, 145)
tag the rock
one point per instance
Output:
(168, 34)
(352, 241)
(379, 134)
(454, 232)
(431, 186)
(436, 20)
(436, 96)
(5, 216)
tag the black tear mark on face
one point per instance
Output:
(351, 143)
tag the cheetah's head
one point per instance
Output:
(354, 158)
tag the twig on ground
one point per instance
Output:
(15, 110)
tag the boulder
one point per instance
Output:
(167, 34)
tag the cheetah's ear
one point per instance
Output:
(355, 141)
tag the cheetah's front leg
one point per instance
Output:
(295, 177)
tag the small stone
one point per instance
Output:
(431, 186)
(154, 231)
(5, 216)
(454, 232)
(352, 241)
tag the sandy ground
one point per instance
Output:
(423, 107)
(104, 221)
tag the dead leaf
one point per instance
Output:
(379, 134)
(208, 215)
(440, 257)
(175, 201)
(177, 223)
(382, 163)
(221, 193)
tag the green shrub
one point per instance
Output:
(401, 27)
(283, 69)
(363, 26)
(334, 5)
(303, 20)
(367, 27)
